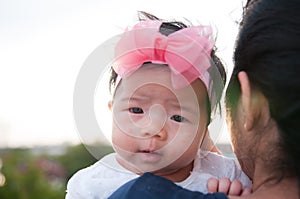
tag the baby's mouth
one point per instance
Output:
(149, 156)
(146, 151)
(149, 150)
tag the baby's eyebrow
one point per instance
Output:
(140, 98)
(183, 107)
(189, 109)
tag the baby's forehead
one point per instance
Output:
(150, 73)
(155, 80)
(159, 74)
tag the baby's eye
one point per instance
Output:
(136, 110)
(178, 118)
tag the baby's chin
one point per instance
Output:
(144, 161)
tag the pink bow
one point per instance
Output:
(186, 52)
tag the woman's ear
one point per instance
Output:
(110, 104)
(255, 105)
(246, 100)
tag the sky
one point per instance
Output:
(43, 45)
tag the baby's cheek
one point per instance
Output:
(123, 141)
(185, 132)
(188, 138)
(127, 123)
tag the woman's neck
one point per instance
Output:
(267, 183)
(286, 188)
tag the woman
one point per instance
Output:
(263, 107)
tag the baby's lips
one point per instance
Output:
(147, 150)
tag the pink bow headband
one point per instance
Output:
(186, 52)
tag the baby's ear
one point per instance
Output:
(110, 104)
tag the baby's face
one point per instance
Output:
(157, 128)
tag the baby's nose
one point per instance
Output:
(155, 121)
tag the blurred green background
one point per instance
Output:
(42, 172)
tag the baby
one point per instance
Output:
(167, 80)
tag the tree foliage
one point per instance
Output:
(31, 176)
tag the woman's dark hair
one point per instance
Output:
(268, 50)
(167, 28)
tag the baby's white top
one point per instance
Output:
(107, 175)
